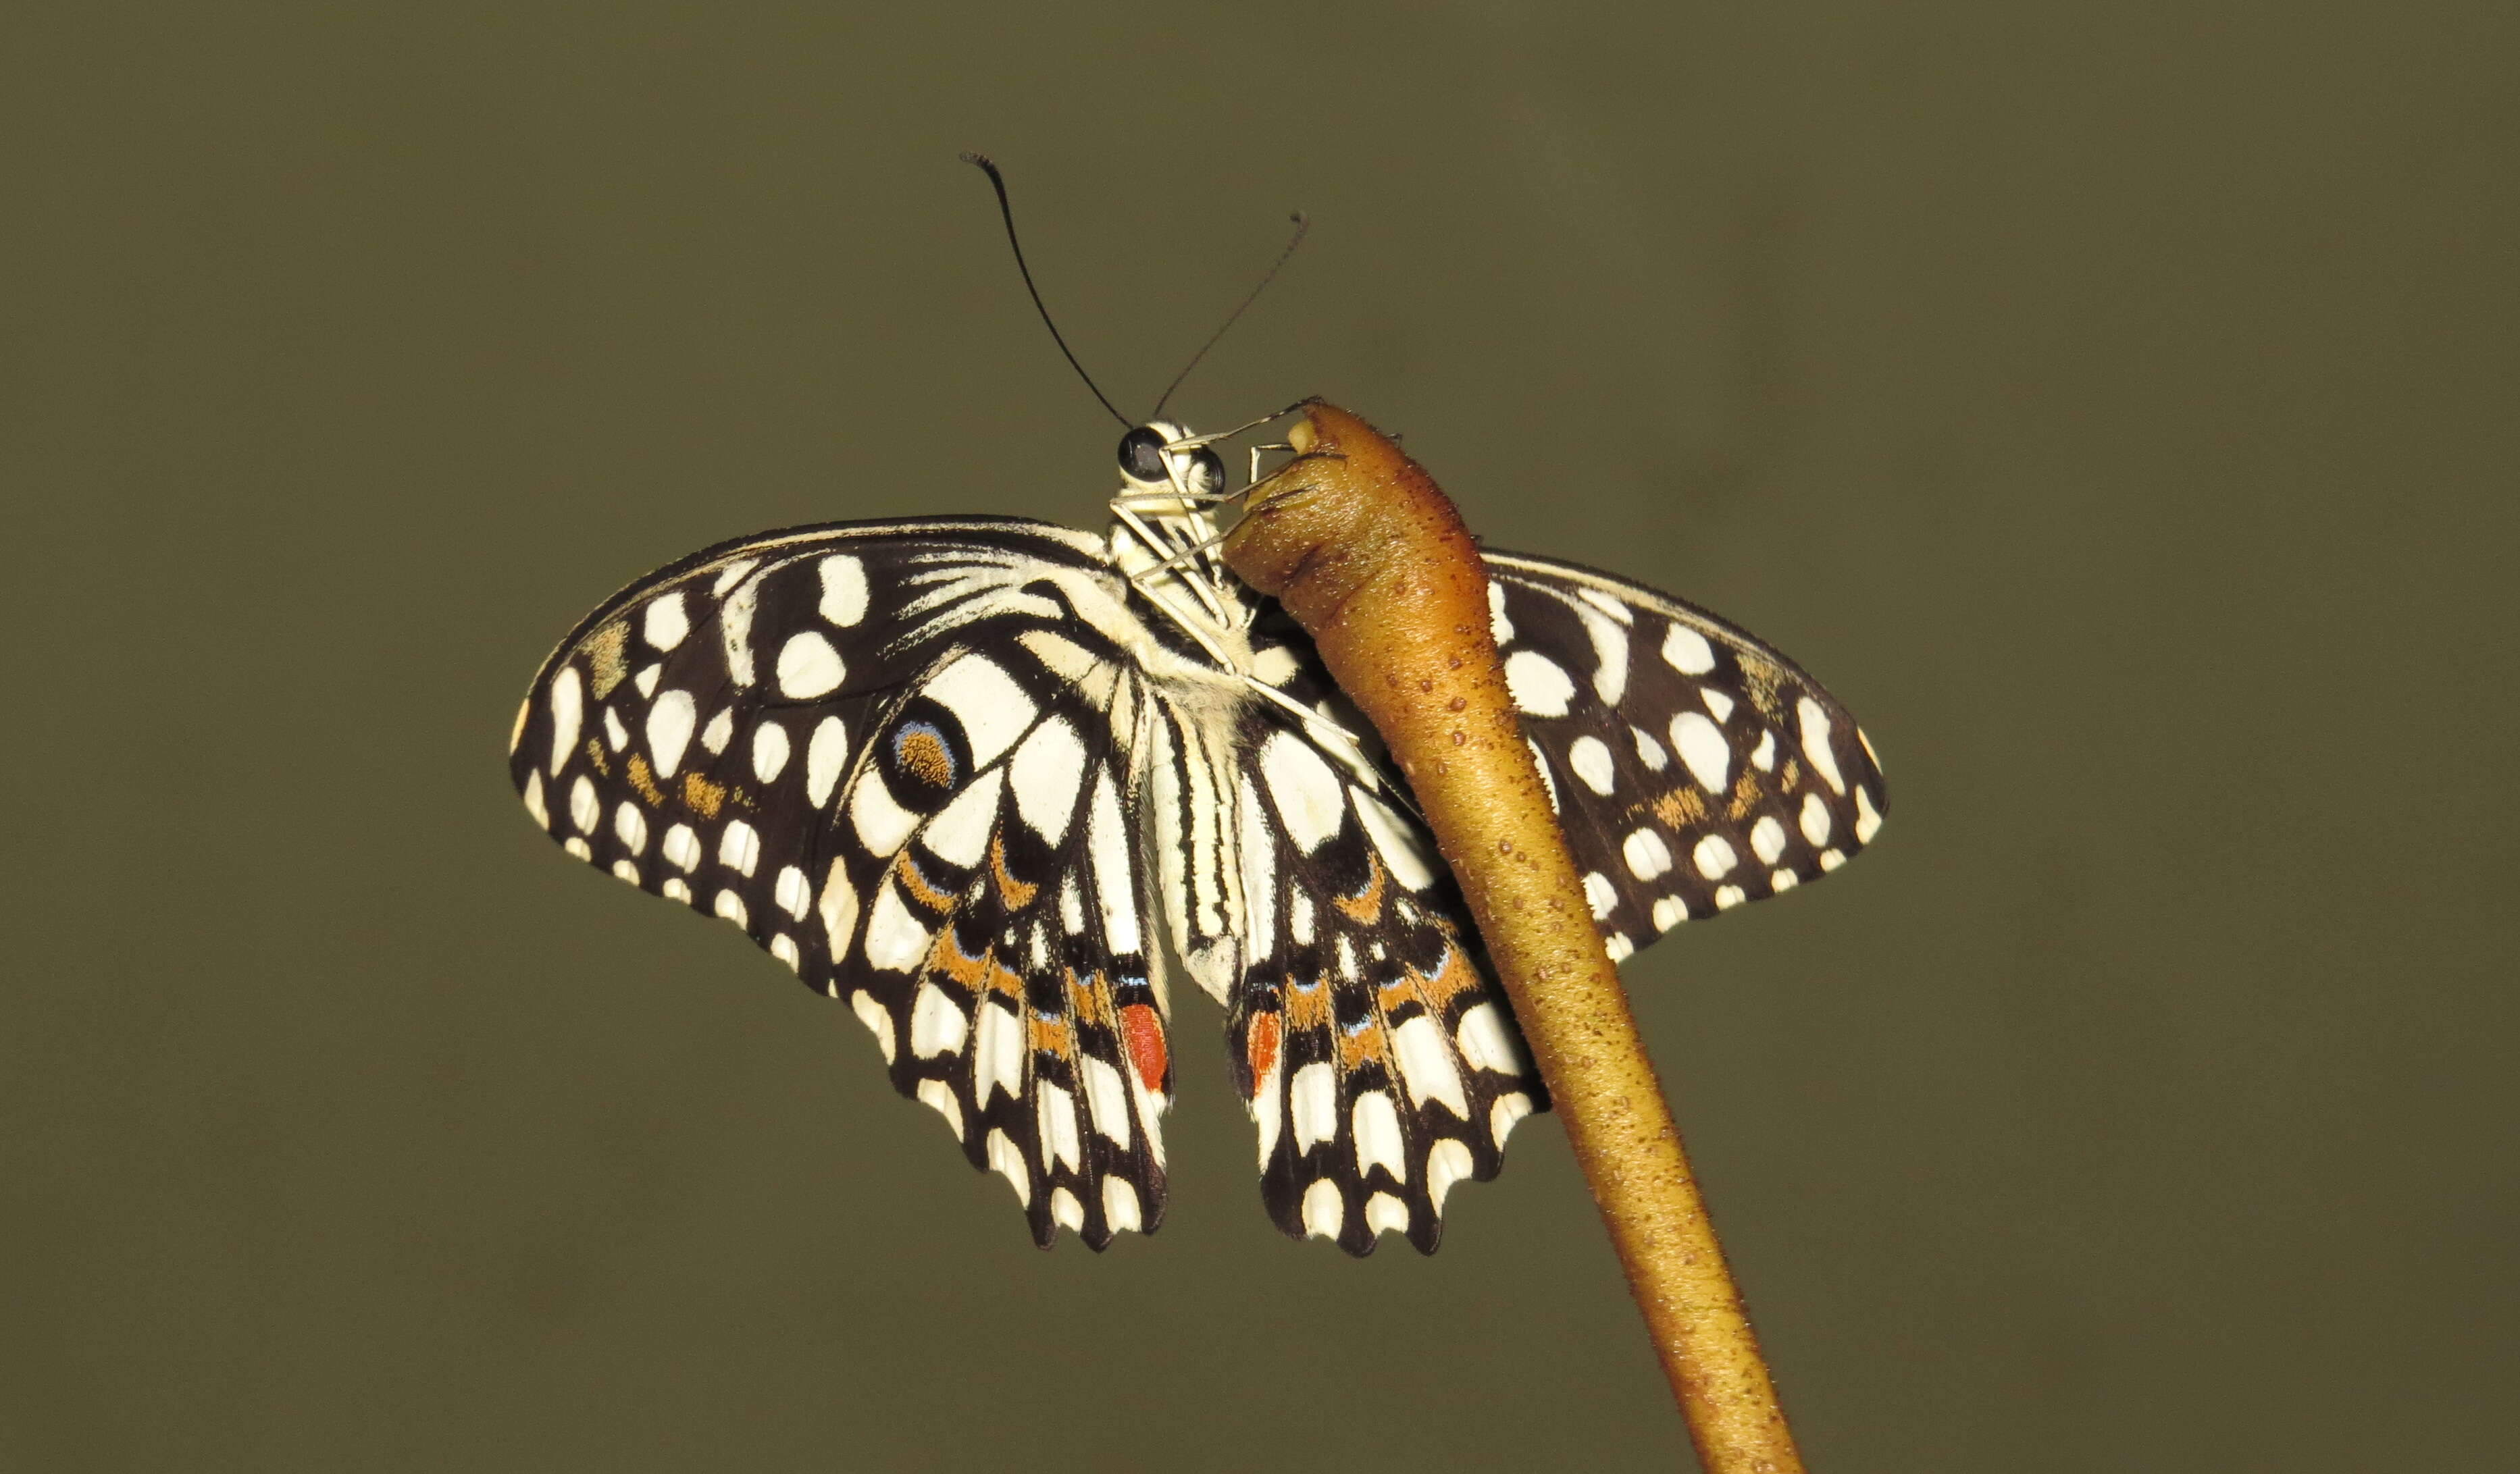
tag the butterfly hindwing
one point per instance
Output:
(1367, 1034)
(849, 741)
(1693, 767)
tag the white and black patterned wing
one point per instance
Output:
(884, 750)
(1367, 1032)
(1693, 767)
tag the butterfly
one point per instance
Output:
(1000, 785)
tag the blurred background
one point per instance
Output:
(2116, 410)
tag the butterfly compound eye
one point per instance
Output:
(1206, 473)
(1142, 454)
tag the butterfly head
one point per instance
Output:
(1161, 457)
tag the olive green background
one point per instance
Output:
(2115, 408)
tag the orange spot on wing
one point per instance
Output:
(1011, 890)
(916, 885)
(1451, 980)
(644, 780)
(702, 795)
(1142, 1028)
(1365, 908)
(1261, 1044)
(1308, 1007)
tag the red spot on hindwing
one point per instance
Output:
(1143, 1030)
(1262, 1046)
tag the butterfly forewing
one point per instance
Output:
(1693, 767)
(884, 750)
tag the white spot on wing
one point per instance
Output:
(882, 823)
(1687, 652)
(1310, 798)
(1427, 1065)
(809, 667)
(1649, 751)
(1113, 886)
(630, 825)
(1590, 757)
(665, 624)
(1502, 1116)
(1714, 857)
(730, 907)
(534, 804)
(1120, 1205)
(838, 909)
(669, 730)
(879, 1022)
(1601, 893)
(1059, 1137)
(1008, 1158)
(940, 1095)
(1548, 780)
(740, 847)
(567, 710)
(719, 731)
(735, 627)
(792, 891)
(824, 756)
(1669, 912)
(1703, 748)
(1499, 627)
(1376, 1124)
(1403, 850)
(997, 1054)
(1447, 1163)
(1311, 1100)
(1815, 746)
(1107, 1100)
(584, 808)
(1717, 703)
(1048, 770)
(1537, 684)
(1385, 1214)
(769, 751)
(993, 709)
(1814, 820)
(1868, 818)
(616, 736)
(683, 846)
(894, 940)
(959, 835)
(936, 1025)
(1647, 855)
(1767, 839)
(1323, 1212)
(844, 590)
(1486, 1043)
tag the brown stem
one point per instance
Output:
(1373, 562)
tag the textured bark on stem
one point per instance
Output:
(1367, 553)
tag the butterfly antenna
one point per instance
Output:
(1008, 211)
(1301, 225)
